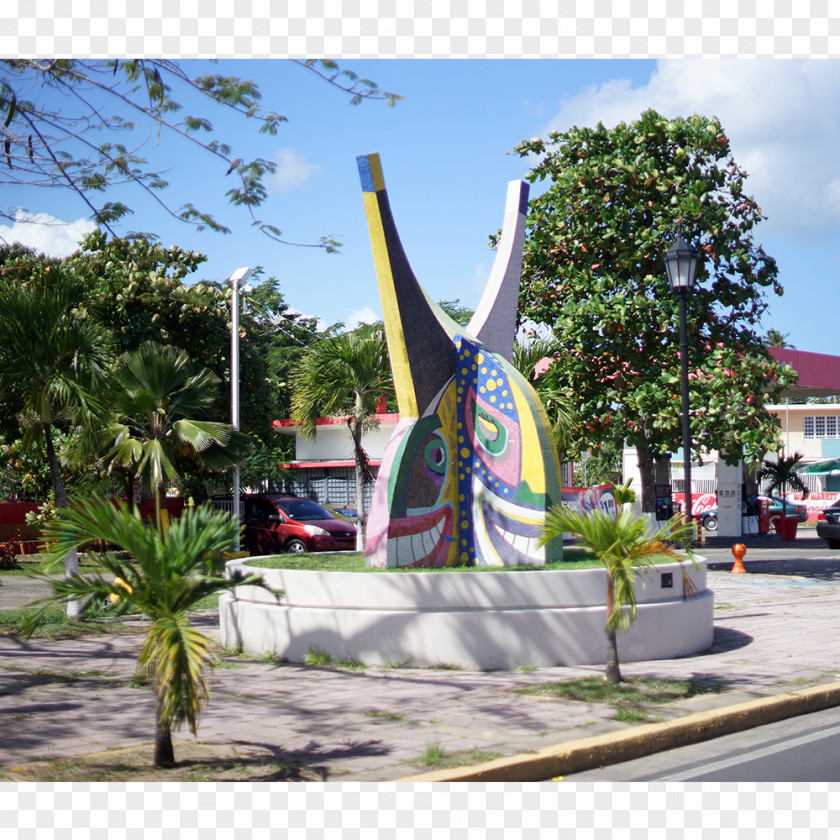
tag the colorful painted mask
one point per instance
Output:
(471, 468)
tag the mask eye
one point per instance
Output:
(436, 457)
(489, 432)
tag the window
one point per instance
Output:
(820, 426)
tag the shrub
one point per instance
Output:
(9, 554)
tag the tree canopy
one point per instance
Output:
(84, 126)
(593, 271)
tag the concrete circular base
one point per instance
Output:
(476, 620)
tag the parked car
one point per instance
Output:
(342, 512)
(792, 511)
(828, 525)
(276, 523)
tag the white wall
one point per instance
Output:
(334, 443)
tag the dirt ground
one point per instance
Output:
(195, 762)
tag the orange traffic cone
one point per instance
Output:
(739, 550)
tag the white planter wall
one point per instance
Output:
(478, 620)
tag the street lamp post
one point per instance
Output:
(681, 265)
(237, 278)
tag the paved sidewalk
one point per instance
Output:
(773, 633)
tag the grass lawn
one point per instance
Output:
(574, 558)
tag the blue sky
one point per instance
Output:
(444, 150)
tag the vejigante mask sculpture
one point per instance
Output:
(470, 469)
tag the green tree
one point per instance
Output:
(459, 313)
(344, 375)
(593, 272)
(161, 401)
(65, 124)
(164, 577)
(625, 546)
(53, 359)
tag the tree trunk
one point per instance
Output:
(646, 468)
(613, 670)
(360, 488)
(71, 559)
(164, 754)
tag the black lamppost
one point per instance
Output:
(681, 265)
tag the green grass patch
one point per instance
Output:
(433, 755)
(574, 558)
(317, 657)
(35, 564)
(379, 715)
(626, 693)
(54, 624)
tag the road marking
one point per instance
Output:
(743, 758)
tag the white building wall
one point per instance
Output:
(335, 443)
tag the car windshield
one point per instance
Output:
(302, 510)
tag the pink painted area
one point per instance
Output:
(543, 365)
(379, 516)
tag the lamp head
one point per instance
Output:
(681, 265)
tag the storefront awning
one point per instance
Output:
(827, 465)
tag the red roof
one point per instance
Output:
(308, 465)
(283, 425)
(819, 374)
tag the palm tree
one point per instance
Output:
(164, 576)
(624, 545)
(344, 375)
(779, 475)
(53, 358)
(776, 338)
(160, 399)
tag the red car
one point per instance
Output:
(275, 524)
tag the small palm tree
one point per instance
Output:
(160, 399)
(164, 576)
(344, 374)
(624, 545)
(782, 474)
(53, 358)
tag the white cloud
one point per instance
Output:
(46, 234)
(362, 316)
(293, 170)
(782, 118)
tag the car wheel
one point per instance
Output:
(832, 543)
(295, 547)
(710, 523)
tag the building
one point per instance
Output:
(811, 429)
(324, 467)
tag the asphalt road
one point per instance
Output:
(806, 557)
(801, 749)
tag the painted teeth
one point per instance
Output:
(527, 546)
(412, 548)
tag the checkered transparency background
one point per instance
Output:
(422, 28)
(387, 811)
